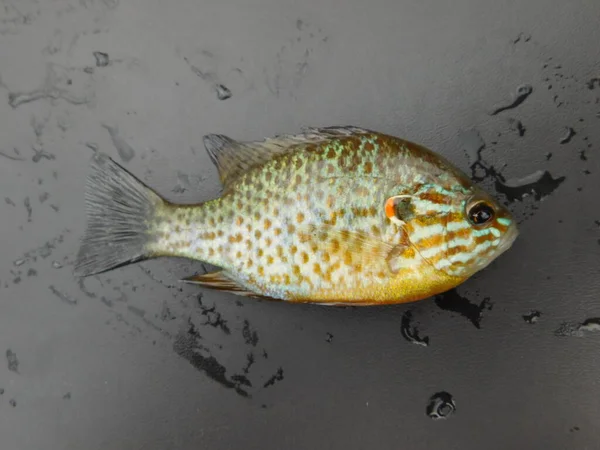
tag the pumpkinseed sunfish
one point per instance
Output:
(335, 215)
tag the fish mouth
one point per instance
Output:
(508, 239)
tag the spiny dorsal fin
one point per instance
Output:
(221, 282)
(232, 158)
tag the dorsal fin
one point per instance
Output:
(232, 158)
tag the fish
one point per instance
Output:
(337, 215)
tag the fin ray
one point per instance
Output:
(222, 282)
(118, 206)
(232, 158)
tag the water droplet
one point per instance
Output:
(517, 126)
(223, 92)
(125, 151)
(568, 135)
(453, 301)
(12, 360)
(92, 146)
(329, 337)
(578, 329)
(540, 183)
(525, 37)
(411, 333)
(532, 317)
(19, 262)
(102, 59)
(441, 406)
(595, 81)
(39, 153)
(472, 143)
(56, 264)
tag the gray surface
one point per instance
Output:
(107, 365)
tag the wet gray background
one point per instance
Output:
(131, 360)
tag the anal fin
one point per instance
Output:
(221, 282)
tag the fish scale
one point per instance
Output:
(303, 218)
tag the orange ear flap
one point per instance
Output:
(398, 208)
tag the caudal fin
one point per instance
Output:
(119, 208)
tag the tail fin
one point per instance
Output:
(119, 208)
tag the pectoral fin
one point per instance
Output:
(359, 248)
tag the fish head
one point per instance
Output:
(460, 230)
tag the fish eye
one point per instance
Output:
(480, 213)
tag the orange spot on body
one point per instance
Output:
(409, 253)
(335, 246)
(432, 241)
(347, 258)
(434, 197)
(235, 238)
(300, 217)
(332, 219)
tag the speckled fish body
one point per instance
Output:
(338, 215)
